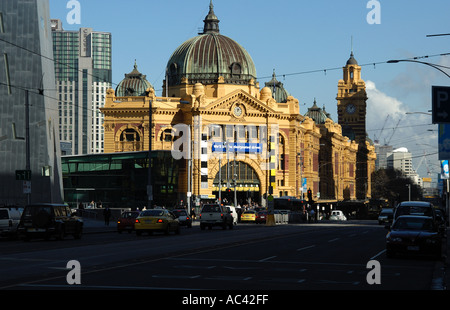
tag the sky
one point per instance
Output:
(307, 43)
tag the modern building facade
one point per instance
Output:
(119, 180)
(236, 141)
(30, 167)
(83, 71)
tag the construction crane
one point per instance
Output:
(377, 140)
(393, 131)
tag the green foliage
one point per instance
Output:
(392, 184)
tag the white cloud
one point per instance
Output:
(412, 131)
(382, 110)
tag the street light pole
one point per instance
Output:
(149, 185)
(394, 61)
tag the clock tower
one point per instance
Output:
(351, 102)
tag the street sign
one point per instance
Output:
(23, 175)
(440, 96)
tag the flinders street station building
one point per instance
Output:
(232, 137)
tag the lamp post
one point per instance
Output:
(437, 67)
(394, 61)
(149, 185)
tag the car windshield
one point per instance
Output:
(411, 223)
(30, 211)
(211, 208)
(179, 212)
(126, 215)
(152, 213)
(422, 210)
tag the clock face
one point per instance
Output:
(350, 109)
(238, 111)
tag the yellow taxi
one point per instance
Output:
(248, 216)
(156, 220)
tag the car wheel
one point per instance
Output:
(202, 227)
(61, 233)
(177, 232)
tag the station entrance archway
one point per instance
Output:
(248, 185)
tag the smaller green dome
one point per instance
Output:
(317, 114)
(134, 84)
(279, 93)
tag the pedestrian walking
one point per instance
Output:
(107, 215)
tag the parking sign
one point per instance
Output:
(441, 104)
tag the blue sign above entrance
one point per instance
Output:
(233, 147)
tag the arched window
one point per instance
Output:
(166, 136)
(130, 135)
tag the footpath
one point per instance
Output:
(92, 226)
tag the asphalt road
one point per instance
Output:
(323, 256)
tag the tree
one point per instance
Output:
(392, 184)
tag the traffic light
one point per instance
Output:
(310, 195)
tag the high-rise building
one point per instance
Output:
(401, 159)
(30, 167)
(83, 71)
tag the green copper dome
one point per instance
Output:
(206, 57)
(134, 84)
(278, 92)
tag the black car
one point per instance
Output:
(183, 217)
(421, 208)
(46, 220)
(415, 235)
(385, 217)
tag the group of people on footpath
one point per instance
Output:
(92, 205)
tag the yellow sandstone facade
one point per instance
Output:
(238, 134)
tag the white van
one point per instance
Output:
(9, 220)
(337, 215)
(233, 213)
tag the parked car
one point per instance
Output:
(385, 217)
(9, 221)
(156, 220)
(414, 234)
(440, 220)
(337, 215)
(261, 217)
(215, 215)
(46, 220)
(126, 221)
(183, 217)
(422, 208)
(248, 216)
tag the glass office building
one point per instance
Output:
(119, 180)
(83, 71)
(29, 139)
